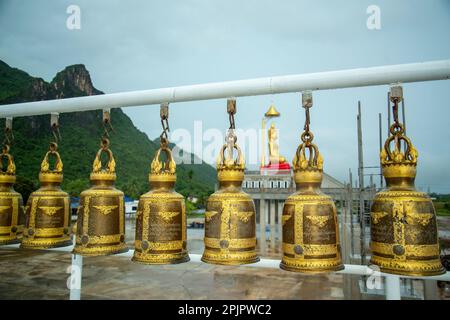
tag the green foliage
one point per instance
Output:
(25, 187)
(81, 133)
(76, 186)
(189, 207)
(442, 207)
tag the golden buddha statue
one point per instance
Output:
(274, 153)
(276, 162)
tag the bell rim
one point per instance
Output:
(83, 252)
(26, 244)
(439, 272)
(232, 262)
(285, 267)
(183, 259)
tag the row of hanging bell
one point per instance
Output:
(404, 234)
(100, 228)
(12, 218)
(310, 226)
(230, 217)
(48, 210)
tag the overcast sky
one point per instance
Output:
(132, 45)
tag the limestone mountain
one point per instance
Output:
(81, 132)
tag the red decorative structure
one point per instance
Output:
(275, 168)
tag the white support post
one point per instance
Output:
(392, 284)
(272, 224)
(76, 276)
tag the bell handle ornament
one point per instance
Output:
(110, 166)
(45, 165)
(302, 162)
(168, 166)
(226, 160)
(388, 155)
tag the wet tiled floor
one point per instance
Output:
(26, 274)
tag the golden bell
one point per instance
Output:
(48, 209)
(101, 214)
(230, 221)
(404, 236)
(12, 218)
(310, 227)
(161, 217)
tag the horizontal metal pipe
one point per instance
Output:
(271, 264)
(384, 75)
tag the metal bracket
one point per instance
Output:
(307, 99)
(396, 93)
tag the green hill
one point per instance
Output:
(81, 132)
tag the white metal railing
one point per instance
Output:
(392, 283)
(384, 75)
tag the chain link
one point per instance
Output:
(9, 136)
(107, 126)
(164, 114)
(307, 104)
(231, 109)
(397, 127)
